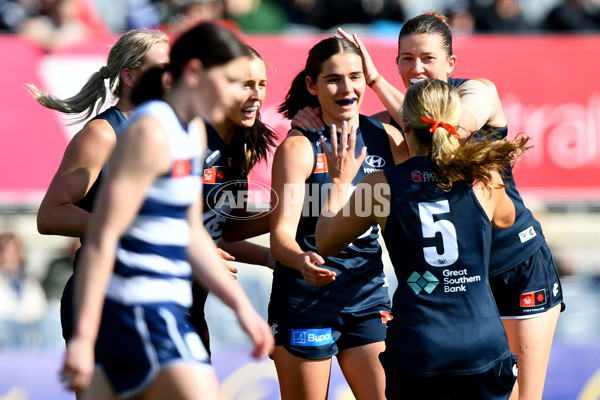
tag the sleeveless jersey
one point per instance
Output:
(360, 282)
(445, 318)
(221, 182)
(117, 120)
(513, 245)
(151, 258)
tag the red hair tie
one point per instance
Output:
(439, 17)
(436, 124)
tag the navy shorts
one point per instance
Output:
(494, 384)
(317, 334)
(135, 342)
(530, 289)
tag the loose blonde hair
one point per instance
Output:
(439, 101)
(127, 52)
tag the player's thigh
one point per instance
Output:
(363, 370)
(531, 335)
(301, 378)
(184, 382)
(531, 340)
(98, 389)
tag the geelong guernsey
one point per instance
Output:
(151, 263)
(360, 281)
(445, 318)
(511, 246)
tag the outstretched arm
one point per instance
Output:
(391, 97)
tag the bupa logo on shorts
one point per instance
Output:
(375, 161)
(527, 234)
(427, 282)
(533, 299)
(416, 176)
(311, 337)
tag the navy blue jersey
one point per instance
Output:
(117, 120)
(360, 281)
(512, 246)
(445, 318)
(223, 178)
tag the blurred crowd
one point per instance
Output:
(30, 303)
(56, 23)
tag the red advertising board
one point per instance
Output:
(548, 85)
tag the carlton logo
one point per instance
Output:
(375, 161)
(232, 198)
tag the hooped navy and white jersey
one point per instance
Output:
(513, 245)
(222, 179)
(151, 259)
(360, 281)
(445, 318)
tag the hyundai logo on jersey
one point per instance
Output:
(311, 337)
(375, 161)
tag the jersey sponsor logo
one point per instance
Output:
(427, 282)
(527, 234)
(375, 161)
(181, 168)
(213, 175)
(386, 316)
(533, 299)
(416, 176)
(311, 337)
(321, 166)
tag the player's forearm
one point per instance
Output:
(391, 97)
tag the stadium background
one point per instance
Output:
(550, 90)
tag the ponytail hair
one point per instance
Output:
(128, 52)
(211, 43)
(433, 100)
(298, 95)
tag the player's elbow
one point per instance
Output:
(44, 226)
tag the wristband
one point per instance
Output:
(375, 80)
